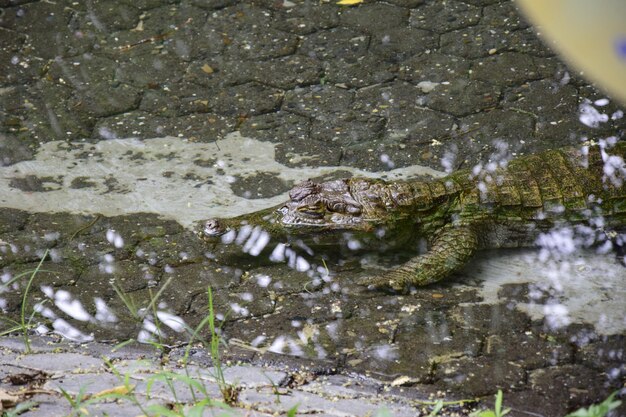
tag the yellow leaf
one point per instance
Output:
(207, 68)
(120, 390)
(349, 2)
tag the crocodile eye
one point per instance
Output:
(337, 207)
(213, 227)
(312, 210)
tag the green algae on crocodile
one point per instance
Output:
(507, 206)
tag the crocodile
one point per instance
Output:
(496, 206)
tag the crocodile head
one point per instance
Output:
(312, 208)
(328, 205)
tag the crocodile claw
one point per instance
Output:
(382, 283)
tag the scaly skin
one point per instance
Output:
(458, 214)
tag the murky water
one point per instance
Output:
(100, 238)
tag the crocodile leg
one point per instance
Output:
(452, 248)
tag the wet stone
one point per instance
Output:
(508, 126)
(420, 125)
(288, 73)
(96, 281)
(609, 352)
(12, 220)
(504, 14)
(260, 185)
(60, 122)
(444, 17)
(55, 274)
(392, 44)
(14, 101)
(306, 18)
(129, 276)
(83, 71)
(200, 127)
(102, 100)
(193, 99)
(510, 68)
(13, 150)
(281, 278)
(216, 73)
(367, 18)
(425, 323)
(362, 72)
(279, 126)
(149, 71)
(262, 332)
(200, 276)
(159, 103)
(22, 276)
(238, 306)
(261, 44)
(172, 30)
(28, 18)
(481, 2)
(348, 130)
(316, 102)
(308, 306)
(111, 15)
(306, 153)
(573, 385)
(335, 43)
(551, 120)
(54, 226)
(248, 99)
(241, 16)
(210, 4)
(526, 401)
(138, 226)
(529, 350)
(526, 41)
(476, 96)
(407, 118)
(477, 41)
(407, 3)
(14, 70)
(194, 38)
(479, 376)
(21, 247)
(490, 318)
(204, 128)
(433, 68)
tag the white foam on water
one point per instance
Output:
(159, 176)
